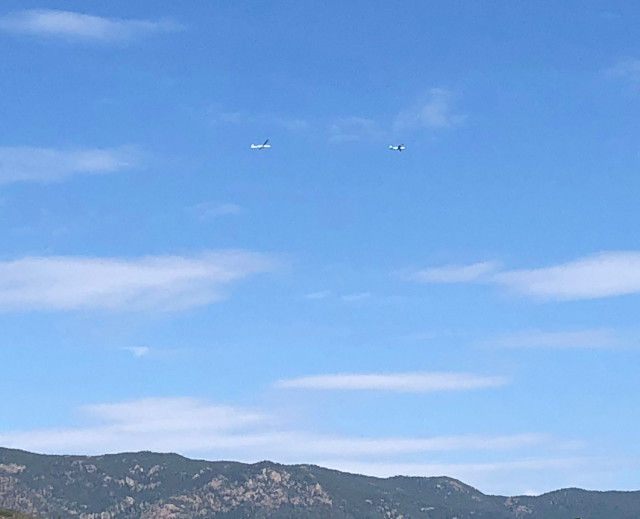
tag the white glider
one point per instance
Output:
(261, 146)
(399, 147)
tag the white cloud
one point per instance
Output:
(601, 275)
(152, 415)
(355, 297)
(191, 425)
(72, 25)
(454, 273)
(606, 274)
(396, 382)
(197, 428)
(156, 282)
(163, 424)
(25, 164)
(587, 339)
(434, 111)
(138, 351)
(347, 129)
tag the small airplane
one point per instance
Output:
(261, 146)
(399, 147)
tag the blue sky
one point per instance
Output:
(467, 307)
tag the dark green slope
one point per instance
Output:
(147, 485)
(432, 498)
(12, 514)
(573, 502)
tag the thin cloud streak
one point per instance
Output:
(190, 425)
(454, 273)
(395, 382)
(154, 283)
(606, 274)
(582, 339)
(197, 428)
(151, 415)
(78, 26)
(403, 445)
(26, 164)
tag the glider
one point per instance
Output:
(399, 147)
(261, 146)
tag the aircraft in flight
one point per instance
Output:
(261, 146)
(399, 147)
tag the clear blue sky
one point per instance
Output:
(467, 307)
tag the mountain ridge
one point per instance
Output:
(148, 485)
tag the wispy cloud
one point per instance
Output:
(322, 294)
(238, 117)
(210, 210)
(351, 297)
(78, 26)
(158, 423)
(156, 282)
(626, 69)
(600, 275)
(356, 297)
(606, 274)
(347, 129)
(395, 382)
(193, 425)
(173, 414)
(582, 339)
(453, 273)
(25, 164)
(433, 111)
(138, 351)
(402, 445)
